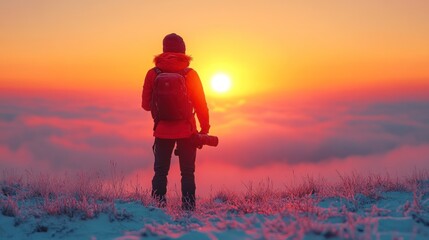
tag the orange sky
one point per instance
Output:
(264, 46)
(347, 81)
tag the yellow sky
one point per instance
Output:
(262, 45)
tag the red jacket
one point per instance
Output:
(176, 62)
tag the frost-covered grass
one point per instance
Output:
(87, 206)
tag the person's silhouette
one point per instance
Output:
(172, 123)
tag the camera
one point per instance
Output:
(200, 139)
(205, 139)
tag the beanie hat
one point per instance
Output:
(173, 43)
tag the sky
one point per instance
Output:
(317, 87)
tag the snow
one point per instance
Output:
(261, 214)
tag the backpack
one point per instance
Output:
(170, 101)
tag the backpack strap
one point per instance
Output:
(157, 70)
(185, 72)
(156, 121)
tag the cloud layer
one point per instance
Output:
(79, 132)
(321, 130)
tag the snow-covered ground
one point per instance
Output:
(357, 207)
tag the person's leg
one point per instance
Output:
(187, 154)
(162, 149)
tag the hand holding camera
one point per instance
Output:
(201, 139)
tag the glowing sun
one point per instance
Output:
(221, 83)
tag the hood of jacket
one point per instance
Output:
(172, 62)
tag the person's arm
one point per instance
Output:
(147, 89)
(199, 100)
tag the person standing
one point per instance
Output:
(174, 94)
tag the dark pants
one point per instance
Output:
(187, 151)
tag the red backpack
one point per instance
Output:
(170, 100)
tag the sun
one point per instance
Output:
(221, 83)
